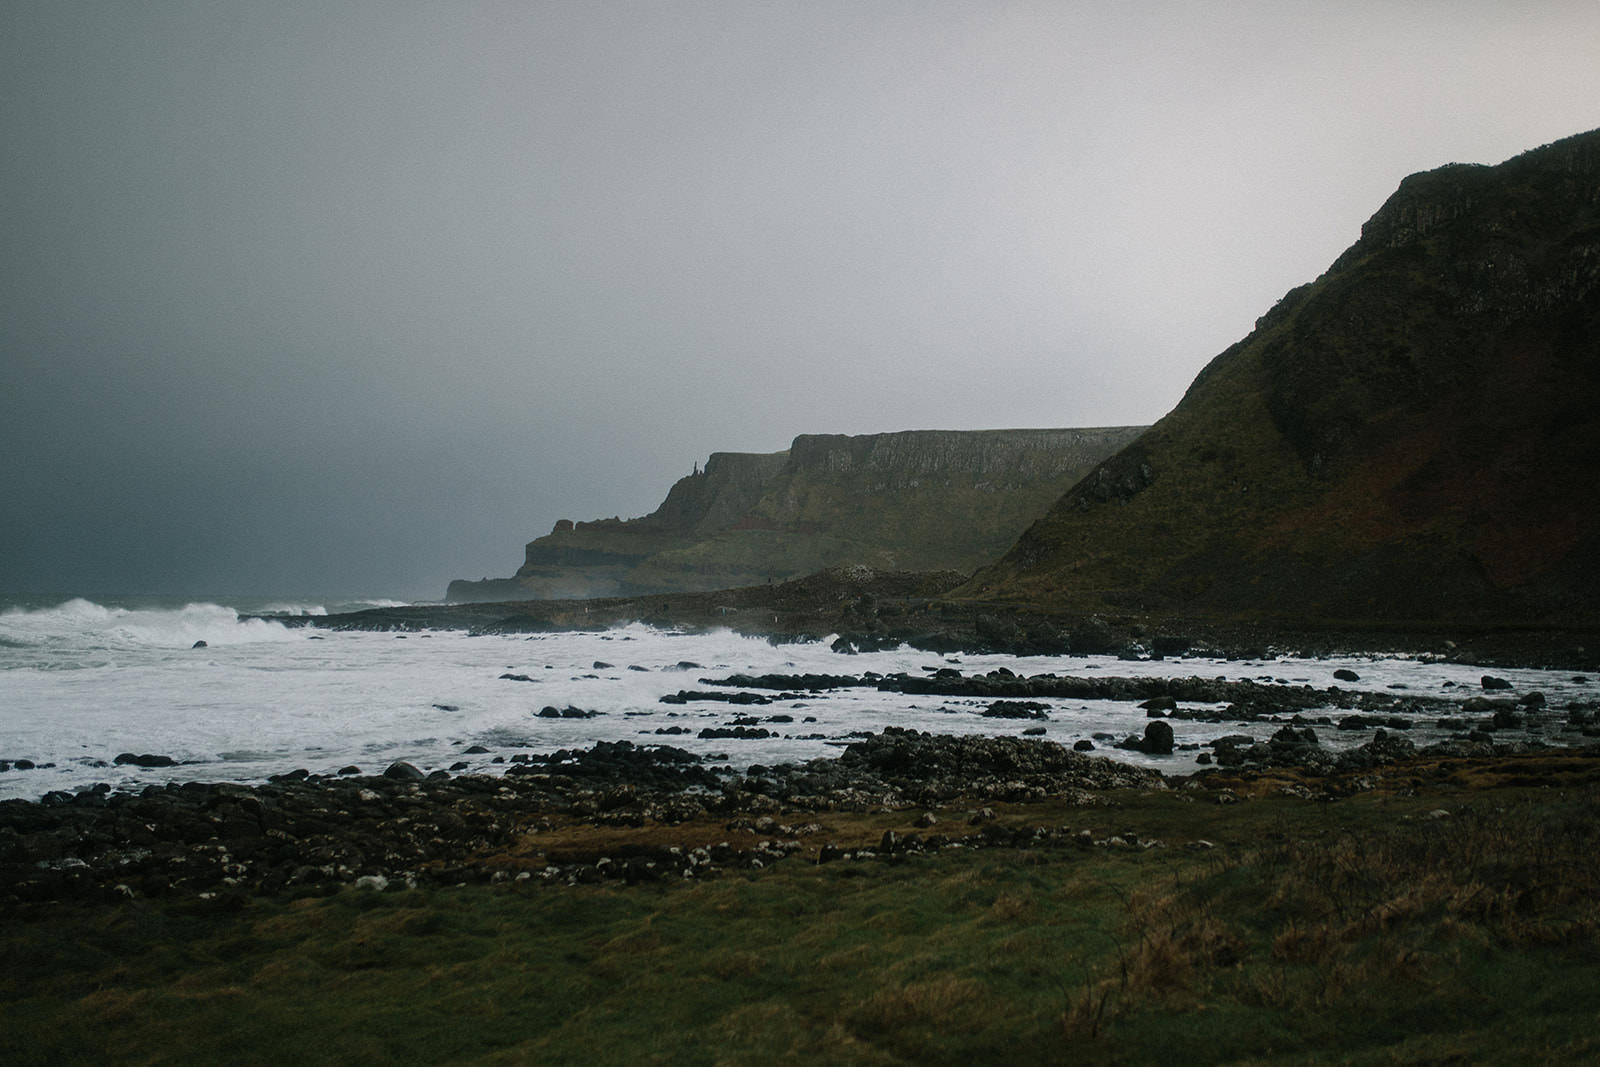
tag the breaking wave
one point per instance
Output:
(80, 624)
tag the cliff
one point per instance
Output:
(1409, 438)
(915, 500)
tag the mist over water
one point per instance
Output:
(82, 682)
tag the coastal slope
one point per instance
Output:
(1412, 437)
(918, 500)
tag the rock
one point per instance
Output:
(1294, 738)
(402, 771)
(1506, 719)
(145, 760)
(1156, 707)
(1083, 744)
(1489, 681)
(1034, 731)
(199, 644)
(1093, 638)
(925, 820)
(475, 750)
(1170, 644)
(349, 770)
(568, 712)
(1016, 709)
(1345, 674)
(600, 665)
(741, 733)
(1157, 738)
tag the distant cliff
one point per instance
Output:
(915, 500)
(1409, 438)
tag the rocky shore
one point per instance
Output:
(555, 818)
(859, 609)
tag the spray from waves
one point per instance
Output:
(292, 610)
(299, 609)
(80, 625)
(375, 602)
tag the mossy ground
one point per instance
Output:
(1370, 929)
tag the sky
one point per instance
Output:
(320, 297)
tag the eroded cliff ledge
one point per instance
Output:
(913, 500)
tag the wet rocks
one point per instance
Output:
(145, 760)
(568, 712)
(685, 696)
(1016, 709)
(1156, 707)
(1157, 740)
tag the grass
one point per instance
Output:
(1361, 931)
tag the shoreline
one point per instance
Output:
(624, 813)
(862, 609)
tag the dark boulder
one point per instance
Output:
(144, 760)
(1016, 709)
(1157, 738)
(1156, 707)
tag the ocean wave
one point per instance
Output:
(84, 625)
(293, 609)
(373, 602)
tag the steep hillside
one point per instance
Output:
(916, 500)
(1411, 437)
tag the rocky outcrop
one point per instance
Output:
(1402, 440)
(917, 500)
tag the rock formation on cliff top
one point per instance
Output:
(915, 500)
(1411, 437)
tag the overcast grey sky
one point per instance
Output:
(328, 296)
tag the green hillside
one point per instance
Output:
(1410, 437)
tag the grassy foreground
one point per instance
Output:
(1274, 930)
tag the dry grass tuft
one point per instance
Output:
(930, 1001)
(1324, 917)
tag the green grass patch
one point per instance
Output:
(1357, 931)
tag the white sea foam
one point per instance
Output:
(82, 682)
(80, 625)
(279, 607)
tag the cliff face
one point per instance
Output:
(1413, 436)
(917, 500)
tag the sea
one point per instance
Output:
(84, 680)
